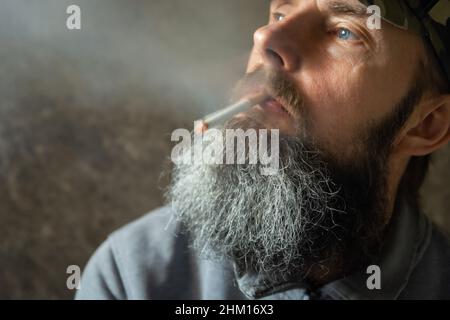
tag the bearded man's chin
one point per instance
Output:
(280, 225)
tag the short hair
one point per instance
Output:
(435, 77)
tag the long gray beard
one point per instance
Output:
(281, 225)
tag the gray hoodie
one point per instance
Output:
(151, 259)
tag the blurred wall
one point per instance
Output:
(86, 117)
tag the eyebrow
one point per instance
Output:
(348, 9)
(341, 8)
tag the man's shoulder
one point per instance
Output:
(151, 242)
(438, 250)
(440, 246)
(137, 261)
(156, 228)
(431, 276)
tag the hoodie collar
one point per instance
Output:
(404, 245)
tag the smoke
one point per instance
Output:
(179, 50)
(83, 118)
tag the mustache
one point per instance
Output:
(276, 83)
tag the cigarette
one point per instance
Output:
(228, 112)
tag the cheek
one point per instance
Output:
(335, 107)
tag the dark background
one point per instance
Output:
(86, 118)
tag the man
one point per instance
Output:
(359, 110)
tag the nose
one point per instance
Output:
(276, 48)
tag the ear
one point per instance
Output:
(429, 130)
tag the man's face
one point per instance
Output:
(348, 76)
(339, 94)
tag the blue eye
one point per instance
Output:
(278, 16)
(345, 34)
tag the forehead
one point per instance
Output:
(353, 6)
(395, 12)
(350, 8)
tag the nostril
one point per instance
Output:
(275, 58)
